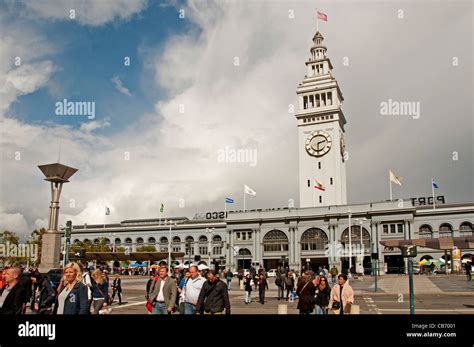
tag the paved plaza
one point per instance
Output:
(439, 294)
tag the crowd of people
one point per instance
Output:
(79, 291)
(184, 291)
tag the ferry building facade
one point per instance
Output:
(317, 233)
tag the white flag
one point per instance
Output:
(249, 190)
(395, 179)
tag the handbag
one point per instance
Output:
(149, 306)
(336, 305)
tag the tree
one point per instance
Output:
(9, 236)
(146, 249)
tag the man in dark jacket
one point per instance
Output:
(117, 289)
(12, 295)
(214, 297)
(47, 296)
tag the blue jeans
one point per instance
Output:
(334, 278)
(248, 298)
(159, 308)
(189, 308)
(320, 310)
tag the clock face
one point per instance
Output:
(318, 143)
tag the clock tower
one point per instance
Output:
(322, 167)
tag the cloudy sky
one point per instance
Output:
(175, 82)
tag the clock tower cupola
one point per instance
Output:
(322, 166)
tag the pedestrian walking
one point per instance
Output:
(100, 291)
(12, 294)
(116, 289)
(322, 297)
(468, 268)
(262, 286)
(289, 284)
(334, 271)
(72, 293)
(214, 296)
(192, 289)
(280, 282)
(47, 296)
(306, 291)
(248, 289)
(342, 296)
(162, 294)
(228, 278)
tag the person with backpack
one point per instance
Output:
(47, 296)
(87, 281)
(289, 284)
(214, 296)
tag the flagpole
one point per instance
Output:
(225, 209)
(244, 198)
(390, 183)
(432, 191)
(317, 26)
(314, 197)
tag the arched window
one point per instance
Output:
(275, 241)
(128, 241)
(96, 241)
(355, 238)
(445, 230)
(217, 245)
(140, 241)
(314, 239)
(176, 245)
(244, 251)
(425, 232)
(203, 245)
(151, 240)
(164, 244)
(189, 245)
(466, 229)
(118, 241)
(76, 241)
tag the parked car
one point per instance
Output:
(246, 272)
(271, 273)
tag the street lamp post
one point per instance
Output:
(210, 231)
(362, 253)
(57, 174)
(350, 242)
(169, 248)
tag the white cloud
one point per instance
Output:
(119, 86)
(94, 125)
(14, 222)
(172, 153)
(87, 12)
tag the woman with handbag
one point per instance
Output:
(100, 291)
(306, 291)
(342, 296)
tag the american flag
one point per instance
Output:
(322, 16)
